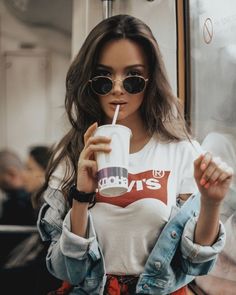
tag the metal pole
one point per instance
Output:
(24, 229)
(107, 8)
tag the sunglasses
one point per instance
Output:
(103, 85)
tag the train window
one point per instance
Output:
(213, 66)
(212, 107)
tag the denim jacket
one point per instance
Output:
(174, 261)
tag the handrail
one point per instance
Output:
(107, 8)
(18, 229)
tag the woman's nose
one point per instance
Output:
(117, 86)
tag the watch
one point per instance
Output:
(79, 196)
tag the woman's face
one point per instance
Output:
(34, 175)
(120, 59)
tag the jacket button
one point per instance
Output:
(195, 214)
(173, 234)
(157, 264)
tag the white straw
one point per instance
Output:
(116, 114)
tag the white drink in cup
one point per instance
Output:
(113, 166)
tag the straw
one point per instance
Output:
(116, 114)
(197, 149)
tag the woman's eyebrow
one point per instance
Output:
(101, 66)
(135, 66)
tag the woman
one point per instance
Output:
(25, 264)
(107, 245)
(36, 164)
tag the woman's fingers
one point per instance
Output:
(96, 144)
(97, 140)
(92, 148)
(89, 164)
(211, 170)
(200, 165)
(93, 143)
(207, 159)
(215, 176)
(89, 132)
(226, 174)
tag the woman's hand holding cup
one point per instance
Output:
(87, 166)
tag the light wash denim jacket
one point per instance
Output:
(173, 262)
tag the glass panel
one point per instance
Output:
(213, 107)
(213, 62)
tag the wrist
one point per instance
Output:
(206, 202)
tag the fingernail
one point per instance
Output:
(207, 185)
(203, 166)
(202, 181)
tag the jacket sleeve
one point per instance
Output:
(195, 254)
(69, 256)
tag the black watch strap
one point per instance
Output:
(80, 196)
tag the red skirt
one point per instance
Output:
(63, 290)
(116, 285)
(126, 285)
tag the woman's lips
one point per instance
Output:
(114, 104)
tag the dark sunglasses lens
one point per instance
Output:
(101, 85)
(134, 85)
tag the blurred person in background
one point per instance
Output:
(35, 167)
(34, 178)
(25, 265)
(16, 205)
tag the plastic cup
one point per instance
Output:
(113, 166)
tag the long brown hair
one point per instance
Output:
(159, 111)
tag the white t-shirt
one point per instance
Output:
(128, 226)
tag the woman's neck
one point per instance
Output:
(138, 141)
(140, 136)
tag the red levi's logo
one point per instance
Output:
(147, 184)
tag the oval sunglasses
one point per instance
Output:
(103, 85)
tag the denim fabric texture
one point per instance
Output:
(174, 261)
